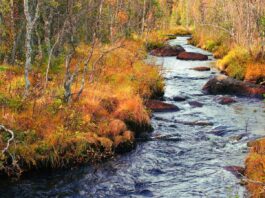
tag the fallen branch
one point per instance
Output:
(2, 127)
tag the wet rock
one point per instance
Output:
(173, 126)
(168, 51)
(158, 106)
(203, 123)
(192, 56)
(179, 98)
(202, 68)
(125, 147)
(238, 137)
(236, 170)
(156, 171)
(219, 133)
(226, 100)
(171, 138)
(195, 123)
(226, 85)
(195, 104)
(162, 119)
(146, 193)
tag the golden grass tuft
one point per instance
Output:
(255, 72)
(255, 169)
(132, 110)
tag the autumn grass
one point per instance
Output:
(157, 39)
(255, 166)
(106, 119)
(236, 61)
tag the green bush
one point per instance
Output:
(234, 63)
(150, 45)
(212, 45)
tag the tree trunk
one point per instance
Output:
(29, 29)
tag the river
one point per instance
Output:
(183, 160)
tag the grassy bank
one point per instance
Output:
(49, 133)
(234, 60)
(255, 166)
(156, 39)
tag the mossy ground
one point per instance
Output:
(52, 134)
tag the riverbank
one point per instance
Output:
(249, 66)
(49, 133)
(104, 121)
(235, 61)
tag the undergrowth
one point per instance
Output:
(50, 133)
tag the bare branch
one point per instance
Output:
(2, 127)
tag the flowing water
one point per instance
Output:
(183, 159)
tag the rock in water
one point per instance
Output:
(226, 85)
(195, 104)
(168, 51)
(192, 56)
(236, 170)
(202, 68)
(226, 100)
(158, 106)
(179, 98)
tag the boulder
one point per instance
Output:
(236, 170)
(202, 68)
(158, 106)
(226, 85)
(226, 100)
(179, 99)
(168, 51)
(195, 104)
(192, 56)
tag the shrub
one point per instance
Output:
(234, 63)
(212, 45)
(150, 45)
(255, 72)
(180, 31)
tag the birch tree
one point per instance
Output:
(30, 22)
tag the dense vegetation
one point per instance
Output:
(233, 31)
(73, 80)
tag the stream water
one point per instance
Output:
(187, 162)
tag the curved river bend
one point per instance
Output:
(182, 161)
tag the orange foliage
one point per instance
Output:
(50, 133)
(255, 169)
(255, 72)
(122, 17)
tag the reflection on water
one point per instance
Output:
(187, 163)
